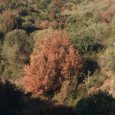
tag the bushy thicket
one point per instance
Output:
(16, 49)
(35, 47)
(53, 62)
(8, 21)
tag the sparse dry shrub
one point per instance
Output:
(3, 2)
(9, 20)
(108, 14)
(59, 3)
(7, 2)
(55, 61)
(47, 24)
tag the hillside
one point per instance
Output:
(57, 57)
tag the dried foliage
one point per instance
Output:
(108, 14)
(47, 24)
(59, 3)
(9, 20)
(55, 61)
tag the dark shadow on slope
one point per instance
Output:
(30, 29)
(36, 106)
(97, 47)
(91, 66)
(10, 99)
(98, 104)
(1, 36)
(55, 110)
(14, 101)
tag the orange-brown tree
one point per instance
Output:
(55, 61)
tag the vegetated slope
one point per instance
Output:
(54, 61)
(90, 28)
(109, 84)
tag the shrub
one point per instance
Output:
(23, 12)
(9, 21)
(113, 25)
(67, 93)
(110, 59)
(108, 14)
(89, 39)
(95, 80)
(83, 40)
(62, 95)
(15, 52)
(54, 61)
(43, 3)
(96, 104)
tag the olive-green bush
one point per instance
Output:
(15, 52)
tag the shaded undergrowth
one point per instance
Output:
(13, 101)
